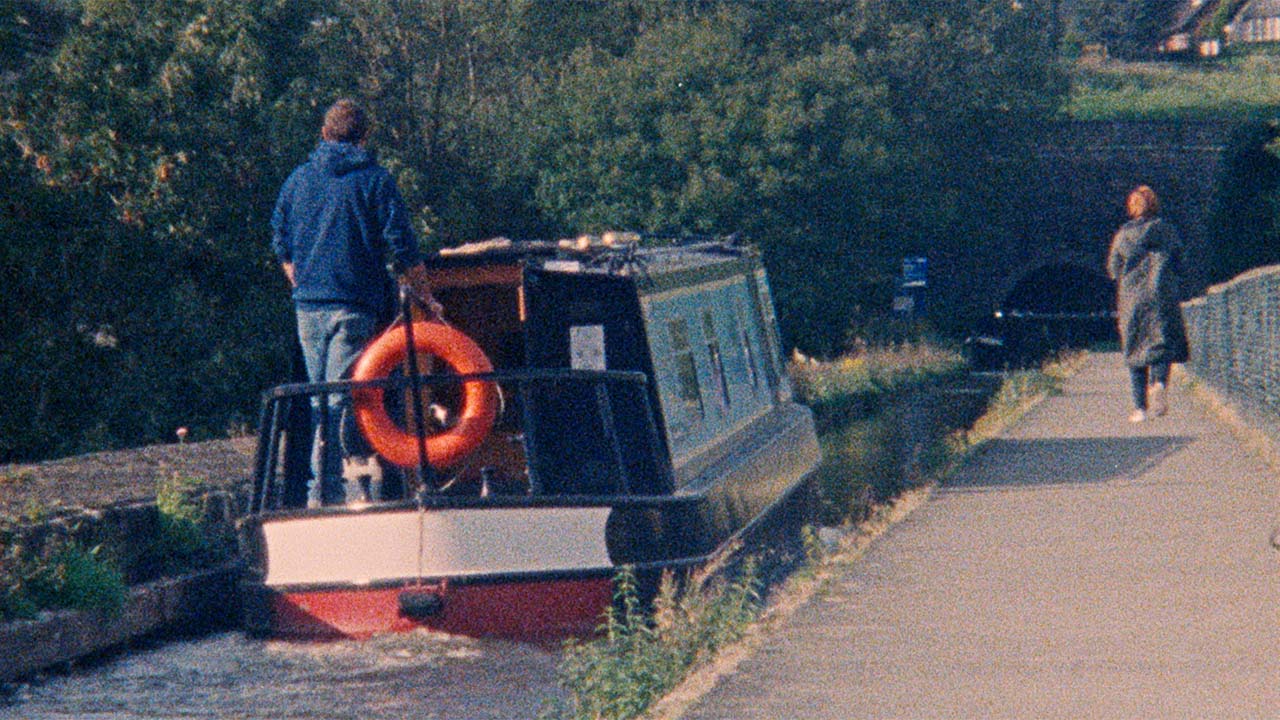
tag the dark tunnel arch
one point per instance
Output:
(1061, 288)
(1056, 306)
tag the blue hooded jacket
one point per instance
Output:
(337, 217)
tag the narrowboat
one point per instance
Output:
(590, 404)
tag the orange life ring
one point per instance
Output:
(479, 397)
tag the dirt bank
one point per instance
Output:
(118, 476)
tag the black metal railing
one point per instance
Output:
(557, 432)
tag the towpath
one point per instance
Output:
(1079, 567)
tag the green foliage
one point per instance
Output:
(1221, 17)
(1245, 88)
(814, 549)
(77, 578)
(861, 466)
(1244, 224)
(148, 138)
(866, 459)
(183, 542)
(643, 654)
(857, 385)
(837, 148)
(60, 574)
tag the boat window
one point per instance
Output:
(686, 370)
(713, 351)
(772, 349)
(748, 352)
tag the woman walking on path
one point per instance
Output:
(1145, 262)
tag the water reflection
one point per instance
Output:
(420, 675)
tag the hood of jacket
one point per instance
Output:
(340, 158)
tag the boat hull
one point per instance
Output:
(529, 610)
(513, 567)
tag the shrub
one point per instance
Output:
(182, 536)
(64, 575)
(641, 655)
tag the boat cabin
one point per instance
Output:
(587, 407)
(621, 371)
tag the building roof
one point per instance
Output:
(1258, 9)
(1189, 14)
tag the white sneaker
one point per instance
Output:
(363, 480)
(1159, 403)
(1137, 416)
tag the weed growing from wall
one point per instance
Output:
(182, 537)
(60, 574)
(186, 539)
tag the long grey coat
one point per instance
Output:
(1145, 262)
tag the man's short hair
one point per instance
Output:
(345, 121)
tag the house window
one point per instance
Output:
(687, 390)
(713, 352)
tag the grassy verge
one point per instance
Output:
(868, 454)
(1237, 88)
(643, 654)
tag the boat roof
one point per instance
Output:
(599, 255)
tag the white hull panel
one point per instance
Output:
(366, 547)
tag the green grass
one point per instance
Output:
(865, 458)
(1237, 88)
(857, 385)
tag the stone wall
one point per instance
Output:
(134, 536)
(1073, 201)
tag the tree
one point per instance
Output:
(150, 138)
(1130, 30)
(152, 120)
(840, 146)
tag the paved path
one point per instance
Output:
(1080, 568)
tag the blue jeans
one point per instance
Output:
(1138, 378)
(332, 339)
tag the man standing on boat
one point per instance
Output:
(338, 217)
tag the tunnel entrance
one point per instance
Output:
(1052, 308)
(1062, 289)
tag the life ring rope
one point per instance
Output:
(480, 398)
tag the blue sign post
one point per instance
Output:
(909, 298)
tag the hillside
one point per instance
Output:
(1246, 87)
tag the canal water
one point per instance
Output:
(425, 676)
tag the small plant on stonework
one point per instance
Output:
(69, 575)
(814, 550)
(181, 535)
